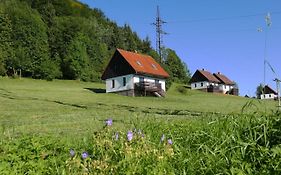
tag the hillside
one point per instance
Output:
(47, 39)
(64, 127)
(21, 98)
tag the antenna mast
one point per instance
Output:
(159, 33)
(268, 24)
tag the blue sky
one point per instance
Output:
(217, 35)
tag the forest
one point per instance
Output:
(65, 39)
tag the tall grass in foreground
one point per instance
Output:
(232, 144)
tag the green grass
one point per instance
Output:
(69, 106)
(212, 134)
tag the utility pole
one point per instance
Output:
(268, 24)
(159, 33)
(278, 91)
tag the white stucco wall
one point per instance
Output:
(198, 85)
(119, 83)
(130, 81)
(222, 87)
(225, 88)
(268, 96)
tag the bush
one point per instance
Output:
(181, 89)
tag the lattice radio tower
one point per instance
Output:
(159, 33)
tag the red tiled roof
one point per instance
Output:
(143, 64)
(209, 76)
(223, 79)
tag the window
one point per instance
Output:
(202, 84)
(269, 95)
(153, 66)
(156, 81)
(139, 63)
(112, 84)
(195, 85)
(124, 81)
(141, 79)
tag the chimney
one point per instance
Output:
(219, 73)
(203, 69)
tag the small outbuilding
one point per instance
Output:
(134, 74)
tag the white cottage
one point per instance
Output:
(268, 93)
(205, 81)
(133, 74)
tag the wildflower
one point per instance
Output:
(116, 136)
(129, 135)
(72, 152)
(108, 122)
(85, 155)
(162, 138)
(170, 142)
(139, 132)
(142, 135)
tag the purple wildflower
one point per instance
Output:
(130, 135)
(170, 142)
(85, 155)
(116, 136)
(72, 152)
(108, 122)
(162, 138)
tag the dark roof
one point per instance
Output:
(269, 90)
(203, 75)
(139, 63)
(223, 79)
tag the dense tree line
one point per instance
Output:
(65, 39)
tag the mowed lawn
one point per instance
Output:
(73, 107)
(184, 133)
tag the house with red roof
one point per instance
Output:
(134, 74)
(217, 82)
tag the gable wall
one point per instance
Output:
(117, 66)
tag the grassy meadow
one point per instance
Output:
(187, 132)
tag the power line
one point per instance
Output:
(222, 18)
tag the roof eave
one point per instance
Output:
(153, 75)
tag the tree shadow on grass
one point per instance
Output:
(96, 90)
